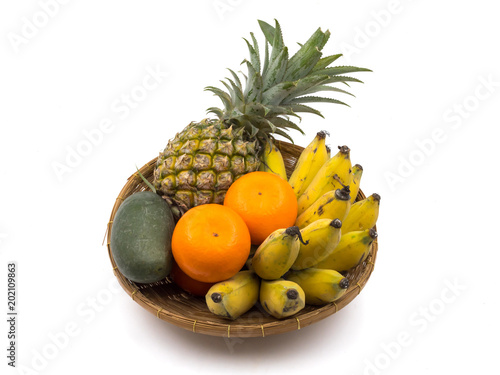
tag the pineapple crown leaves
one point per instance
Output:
(278, 87)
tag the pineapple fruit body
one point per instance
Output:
(202, 161)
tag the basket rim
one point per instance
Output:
(232, 328)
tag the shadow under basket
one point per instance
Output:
(172, 304)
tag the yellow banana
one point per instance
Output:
(362, 215)
(334, 204)
(281, 298)
(309, 163)
(333, 175)
(320, 286)
(352, 249)
(272, 161)
(321, 237)
(276, 254)
(357, 172)
(233, 297)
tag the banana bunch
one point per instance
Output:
(302, 264)
(339, 231)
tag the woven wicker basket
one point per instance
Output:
(170, 303)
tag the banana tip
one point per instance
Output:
(216, 297)
(336, 223)
(343, 194)
(344, 283)
(292, 294)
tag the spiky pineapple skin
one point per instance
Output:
(202, 161)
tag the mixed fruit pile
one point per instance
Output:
(224, 221)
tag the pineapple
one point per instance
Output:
(202, 161)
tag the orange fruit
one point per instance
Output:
(195, 287)
(266, 202)
(211, 243)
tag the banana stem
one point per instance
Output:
(295, 231)
(337, 178)
(322, 134)
(344, 149)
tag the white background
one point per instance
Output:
(431, 304)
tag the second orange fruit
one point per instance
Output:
(266, 202)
